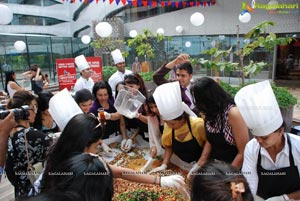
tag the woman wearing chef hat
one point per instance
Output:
(184, 133)
(271, 160)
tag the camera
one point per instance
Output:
(19, 113)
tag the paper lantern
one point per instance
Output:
(133, 33)
(86, 39)
(197, 19)
(221, 37)
(6, 14)
(103, 29)
(188, 44)
(244, 17)
(247, 41)
(160, 31)
(20, 45)
(179, 29)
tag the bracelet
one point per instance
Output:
(155, 180)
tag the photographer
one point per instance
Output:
(6, 125)
(25, 143)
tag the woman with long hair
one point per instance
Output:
(104, 100)
(11, 85)
(18, 152)
(226, 132)
(82, 134)
(137, 125)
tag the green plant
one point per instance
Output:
(106, 45)
(107, 71)
(143, 43)
(258, 37)
(283, 96)
(147, 76)
(138, 195)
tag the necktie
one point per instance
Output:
(185, 98)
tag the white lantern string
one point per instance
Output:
(6, 14)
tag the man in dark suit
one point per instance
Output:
(184, 74)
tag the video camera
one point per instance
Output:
(19, 113)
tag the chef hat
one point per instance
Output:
(81, 62)
(62, 108)
(259, 108)
(168, 100)
(117, 56)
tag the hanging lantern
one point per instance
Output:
(19, 45)
(86, 39)
(6, 14)
(103, 29)
(160, 31)
(133, 33)
(244, 17)
(221, 37)
(179, 29)
(188, 44)
(197, 19)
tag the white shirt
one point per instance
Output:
(249, 168)
(188, 93)
(116, 78)
(10, 90)
(82, 83)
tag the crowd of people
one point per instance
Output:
(233, 148)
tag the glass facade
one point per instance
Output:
(41, 50)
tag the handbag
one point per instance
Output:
(33, 171)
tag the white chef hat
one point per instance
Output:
(62, 108)
(81, 62)
(168, 100)
(117, 56)
(259, 108)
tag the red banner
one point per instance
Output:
(96, 66)
(66, 71)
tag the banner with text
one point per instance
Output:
(66, 71)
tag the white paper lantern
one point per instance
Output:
(86, 39)
(133, 33)
(197, 19)
(244, 17)
(20, 45)
(6, 14)
(247, 41)
(179, 29)
(221, 37)
(213, 43)
(188, 44)
(103, 29)
(160, 31)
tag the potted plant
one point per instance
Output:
(257, 37)
(285, 99)
(143, 45)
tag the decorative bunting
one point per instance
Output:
(151, 3)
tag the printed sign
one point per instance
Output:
(66, 71)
